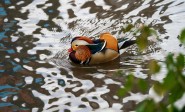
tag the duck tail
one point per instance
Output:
(125, 44)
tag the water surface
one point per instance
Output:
(35, 74)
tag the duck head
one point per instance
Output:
(78, 41)
(79, 52)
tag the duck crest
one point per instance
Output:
(83, 38)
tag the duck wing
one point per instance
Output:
(97, 47)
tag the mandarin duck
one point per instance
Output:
(95, 51)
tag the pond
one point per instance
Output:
(35, 73)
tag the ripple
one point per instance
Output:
(35, 72)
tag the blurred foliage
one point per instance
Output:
(171, 89)
(154, 67)
(141, 32)
(142, 39)
(132, 83)
(182, 36)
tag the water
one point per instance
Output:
(35, 35)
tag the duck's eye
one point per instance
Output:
(76, 45)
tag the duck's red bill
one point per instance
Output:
(70, 50)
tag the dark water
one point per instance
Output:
(35, 74)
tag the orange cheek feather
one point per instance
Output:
(82, 53)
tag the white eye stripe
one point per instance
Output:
(79, 42)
